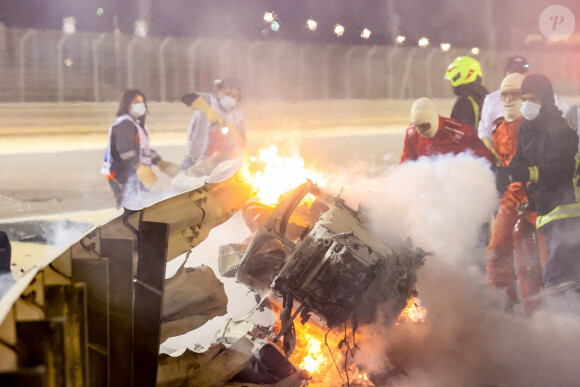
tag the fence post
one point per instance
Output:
(325, 74)
(95, 47)
(349, 71)
(390, 87)
(130, 49)
(407, 73)
(59, 67)
(21, 59)
(223, 49)
(301, 69)
(191, 55)
(162, 74)
(368, 58)
(428, 63)
(250, 62)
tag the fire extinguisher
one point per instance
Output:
(527, 258)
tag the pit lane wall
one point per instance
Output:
(47, 65)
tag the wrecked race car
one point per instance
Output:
(101, 308)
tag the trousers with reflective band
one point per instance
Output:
(561, 212)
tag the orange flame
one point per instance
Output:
(312, 355)
(413, 311)
(281, 174)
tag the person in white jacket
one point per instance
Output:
(492, 107)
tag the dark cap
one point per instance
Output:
(517, 64)
(541, 86)
(229, 83)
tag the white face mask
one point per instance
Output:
(138, 109)
(228, 103)
(530, 110)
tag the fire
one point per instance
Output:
(312, 355)
(413, 311)
(281, 174)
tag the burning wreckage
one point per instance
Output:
(96, 314)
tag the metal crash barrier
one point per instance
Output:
(93, 314)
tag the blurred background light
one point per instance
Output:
(269, 17)
(141, 29)
(68, 62)
(311, 24)
(475, 51)
(338, 30)
(365, 34)
(400, 39)
(445, 47)
(275, 26)
(100, 11)
(423, 42)
(69, 25)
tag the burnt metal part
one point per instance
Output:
(120, 256)
(337, 269)
(42, 343)
(94, 273)
(148, 304)
(267, 365)
(25, 376)
(68, 301)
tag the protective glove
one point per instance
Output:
(168, 168)
(146, 175)
(212, 116)
(503, 178)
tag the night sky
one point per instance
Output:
(460, 22)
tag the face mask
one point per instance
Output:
(530, 110)
(227, 102)
(138, 109)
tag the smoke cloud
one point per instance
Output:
(468, 337)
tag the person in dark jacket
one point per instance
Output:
(547, 157)
(465, 76)
(129, 158)
(5, 253)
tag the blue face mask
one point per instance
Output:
(228, 103)
(530, 110)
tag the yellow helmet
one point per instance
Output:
(463, 70)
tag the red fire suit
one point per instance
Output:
(499, 255)
(452, 137)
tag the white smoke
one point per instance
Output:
(468, 338)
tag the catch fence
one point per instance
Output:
(50, 66)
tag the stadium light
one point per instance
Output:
(338, 30)
(400, 39)
(423, 42)
(269, 17)
(69, 25)
(141, 28)
(311, 24)
(365, 34)
(475, 50)
(445, 47)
